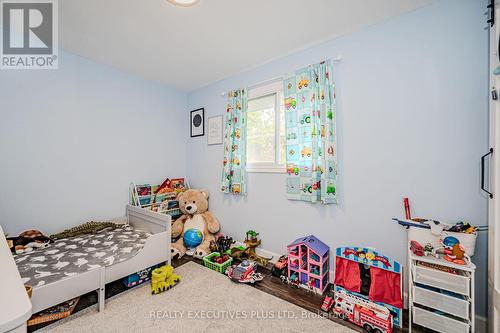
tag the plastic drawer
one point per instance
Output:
(449, 304)
(459, 284)
(438, 322)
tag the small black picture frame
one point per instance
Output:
(197, 122)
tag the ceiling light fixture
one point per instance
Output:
(184, 3)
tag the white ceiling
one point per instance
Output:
(191, 47)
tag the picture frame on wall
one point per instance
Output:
(198, 122)
(214, 133)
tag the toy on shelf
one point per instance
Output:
(453, 251)
(244, 272)
(159, 198)
(417, 249)
(371, 316)
(308, 263)
(280, 267)
(163, 278)
(251, 242)
(372, 277)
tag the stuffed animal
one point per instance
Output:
(28, 241)
(194, 206)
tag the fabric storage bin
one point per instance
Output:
(439, 322)
(423, 236)
(442, 280)
(439, 301)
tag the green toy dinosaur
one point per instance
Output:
(85, 228)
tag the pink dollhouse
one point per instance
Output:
(308, 263)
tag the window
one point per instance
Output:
(266, 129)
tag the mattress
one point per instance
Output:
(70, 256)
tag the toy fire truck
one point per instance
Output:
(371, 316)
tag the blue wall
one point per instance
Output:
(412, 121)
(72, 139)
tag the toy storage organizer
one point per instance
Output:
(308, 263)
(144, 196)
(441, 294)
(368, 274)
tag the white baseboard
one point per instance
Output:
(262, 252)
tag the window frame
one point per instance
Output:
(268, 89)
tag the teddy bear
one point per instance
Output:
(194, 207)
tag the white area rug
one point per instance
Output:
(204, 301)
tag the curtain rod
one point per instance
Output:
(336, 59)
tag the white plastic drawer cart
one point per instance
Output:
(441, 294)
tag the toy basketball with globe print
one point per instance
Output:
(192, 238)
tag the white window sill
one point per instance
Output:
(266, 170)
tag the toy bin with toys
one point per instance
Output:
(218, 262)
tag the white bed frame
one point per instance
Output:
(156, 250)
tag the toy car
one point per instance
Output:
(328, 300)
(244, 272)
(280, 267)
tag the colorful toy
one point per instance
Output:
(138, 278)
(192, 238)
(371, 277)
(328, 301)
(194, 207)
(244, 272)
(163, 278)
(221, 244)
(416, 248)
(91, 227)
(372, 317)
(218, 262)
(308, 263)
(28, 241)
(280, 268)
(251, 242)
(453, 251)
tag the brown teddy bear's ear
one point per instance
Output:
(205, 193)
(179, 196)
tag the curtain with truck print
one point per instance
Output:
(235, 143)
(311, 154)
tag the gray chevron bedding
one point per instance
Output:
(70, 256)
